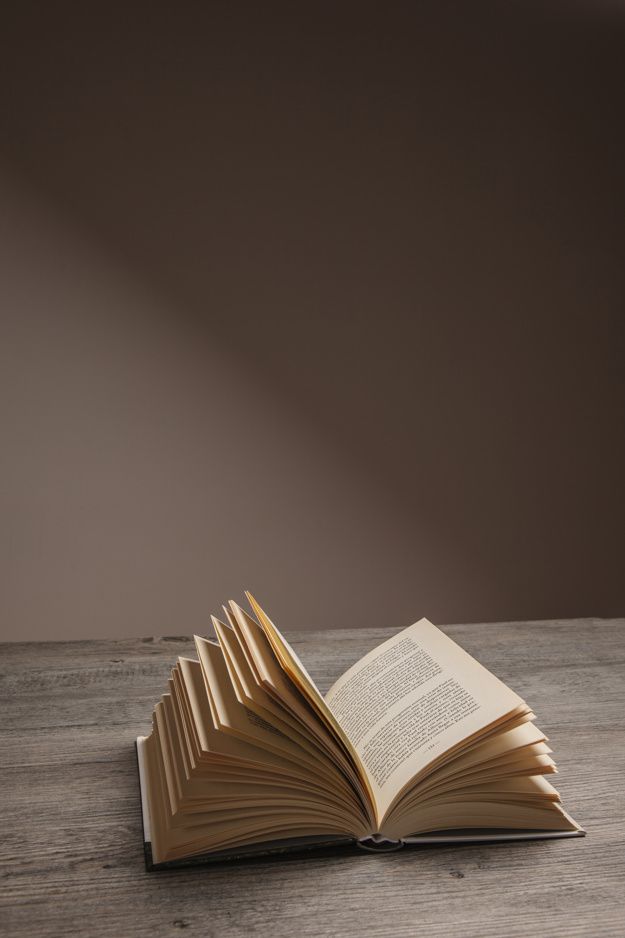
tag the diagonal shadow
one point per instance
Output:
(375, 220)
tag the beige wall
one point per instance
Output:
(322, 305)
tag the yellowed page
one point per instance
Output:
(233, 670)
(518, 752)
(250, 693)
(409, 701)
(279, 679)
(256, 698)
(294, 668)
(210, 739)
(266, 669)
(234, 717)
(465, 813)
(175, 836)
(241, 760)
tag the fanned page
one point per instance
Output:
(305, 684)
(411, 700)
(416, 738)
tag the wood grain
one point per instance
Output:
(71, 853)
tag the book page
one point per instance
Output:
(256, 698)
(235, 718)
(409, 701)
(294, 669)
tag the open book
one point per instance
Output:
(416, 743)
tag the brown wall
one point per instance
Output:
(321, 300)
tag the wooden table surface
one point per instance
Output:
(71, 850)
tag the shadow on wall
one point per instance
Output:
(321, 304)
(149, 474)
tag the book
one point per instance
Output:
(417, 743)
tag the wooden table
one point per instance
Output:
(71, 846)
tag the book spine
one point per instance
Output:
(375, 843)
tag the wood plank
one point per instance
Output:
(71, 854)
